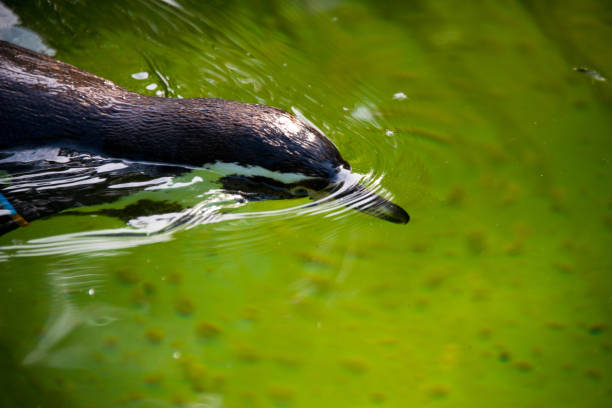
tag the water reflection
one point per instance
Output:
(62, 179)
(12, 31)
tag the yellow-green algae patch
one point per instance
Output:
(497, 293)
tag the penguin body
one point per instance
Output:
(45, 102)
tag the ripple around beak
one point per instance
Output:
(378, 206)
(349, 193)
(357, 197)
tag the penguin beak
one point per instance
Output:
(361, 199)
(384, 209)
(350, 195)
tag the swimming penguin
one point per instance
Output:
(45, 102)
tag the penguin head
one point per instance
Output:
(264, 152)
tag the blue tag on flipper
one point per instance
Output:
(5, 204)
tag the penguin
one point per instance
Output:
(46, 102)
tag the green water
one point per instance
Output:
(497, 293)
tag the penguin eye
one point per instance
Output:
(299, 191)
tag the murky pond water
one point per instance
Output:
(473, 118)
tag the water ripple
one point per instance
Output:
(352, 191)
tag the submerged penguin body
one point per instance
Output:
(47, 102)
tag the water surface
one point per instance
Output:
(472, 117)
